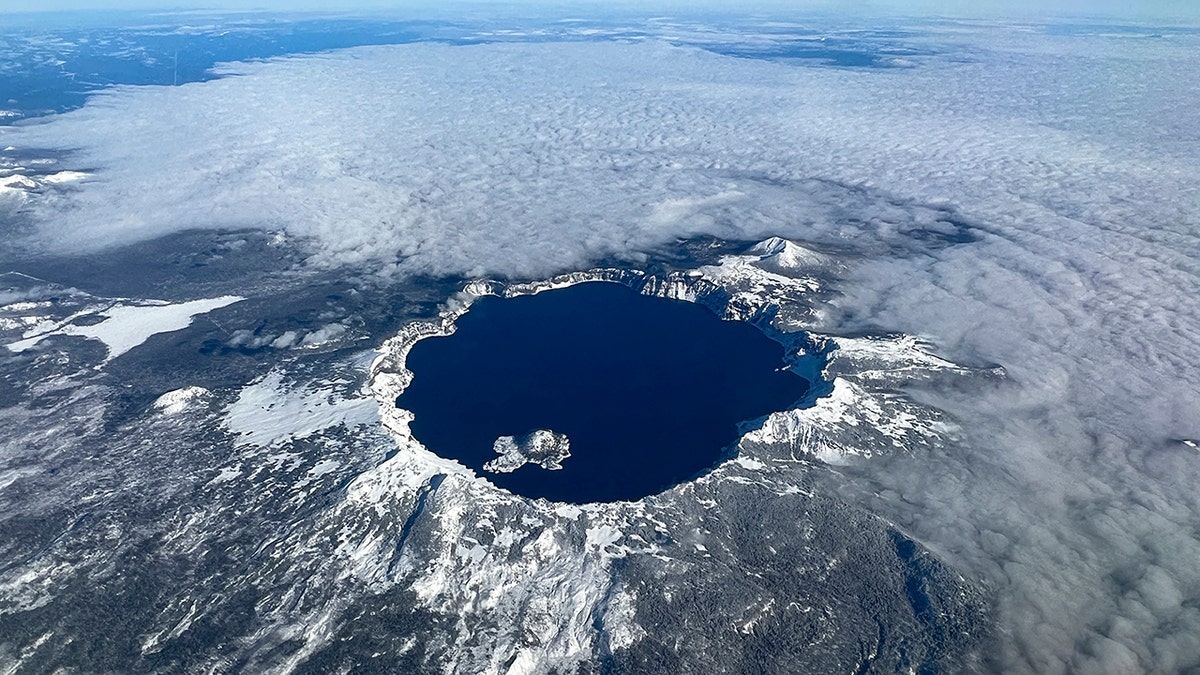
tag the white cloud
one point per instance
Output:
(506, 159)
(1074, 156)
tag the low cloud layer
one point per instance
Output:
(517, 159)
(1072, 158)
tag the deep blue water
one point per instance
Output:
(649, 390)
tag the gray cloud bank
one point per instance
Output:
(1074, 157)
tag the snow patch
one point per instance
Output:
(175, 402)
(888, 359)
(323, 467)
(784, 256)
(598, 538)
(854, 422)
(126, 326)
(269, 412)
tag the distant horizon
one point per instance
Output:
(1161, 11)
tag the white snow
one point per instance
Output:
(853, 421)
(878, 358)
(129, 325)
(17, 182)
(323, 467)
(64, 177)
(568, 511)
(750, 463)
(10, 476)
(621, 621)
(25, 306)
(227, 474)
(542, 447)
(785, 255)
(14, 183)
(269, 412)
(600, 537)
(178, 400)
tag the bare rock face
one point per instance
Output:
(542, 447)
